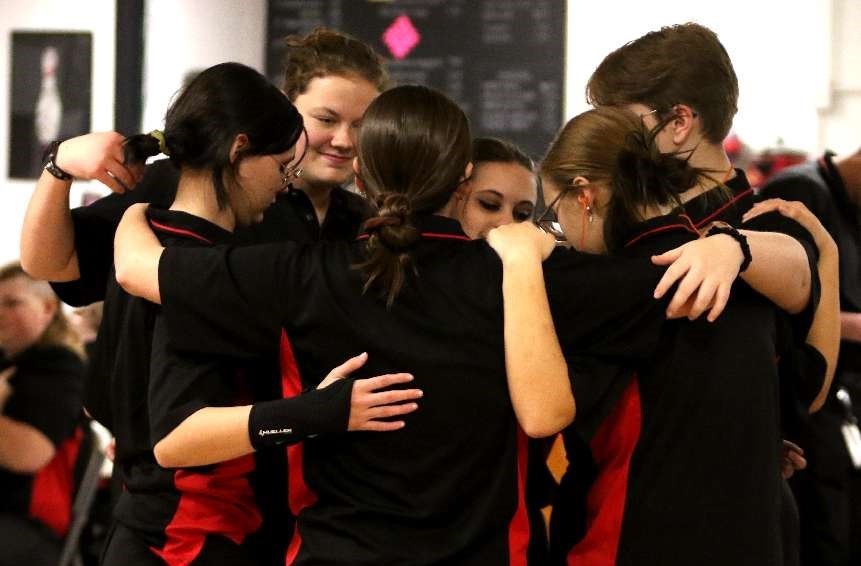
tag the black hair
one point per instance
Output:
(220, 103)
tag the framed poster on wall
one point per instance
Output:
(50, 94)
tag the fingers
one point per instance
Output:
(673, 273)
(7, 373)
(389, 411)
(684, 291)
(721, 300)
(110, 181)
(349, 366)
(669, 257)
(392, 396)
(381, 426)
(704, 299)
(381, 382)
(789, 445)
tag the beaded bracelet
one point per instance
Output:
(738, 237)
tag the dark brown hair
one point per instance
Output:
(610, 145)
(58, 332)
(681, 64)
(495, 150)
(413, 149)
(325, 52)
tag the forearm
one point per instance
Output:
(780, 269)
(850, 326)
(208, 436)
(48, 233)
(137, 252)
(824, 334)
(538, 379)
(23, 449)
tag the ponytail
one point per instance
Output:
(391, 237)
(138, 148)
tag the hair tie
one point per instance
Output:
(162, 141)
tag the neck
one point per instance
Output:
(320, 197)
(711, 158)
(850, 171)
(196, 196)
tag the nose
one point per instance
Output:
(343, 138)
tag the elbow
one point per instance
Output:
(548, 422)
(167, 456)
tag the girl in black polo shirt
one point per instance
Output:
(233, 136)
(414, 292)
(660, 494)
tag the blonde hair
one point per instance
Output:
(59, 331)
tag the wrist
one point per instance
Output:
(50, 160)
(723, 229)
(520, 256)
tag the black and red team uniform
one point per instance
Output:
(36, 509)
(677, 460)
(201, 514)
(448, 488)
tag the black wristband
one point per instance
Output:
(327, 410)
(50, 161)
(738, 237)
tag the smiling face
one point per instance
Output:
(497, 193)
(332, 107)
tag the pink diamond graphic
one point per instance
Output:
(401, 37)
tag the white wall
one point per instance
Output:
(780, 65)
(50, 15)
(191, 35)
(800, 77)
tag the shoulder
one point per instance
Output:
(353, 203)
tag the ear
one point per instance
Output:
(683, 124)
(585, 193)
(464, 187)
(360, 184)
(467, 172)
(50, 307)
(356, 165)
(240, 142)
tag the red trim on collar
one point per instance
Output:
(659, 229)
(731, 202)
(180, 231)
(432, 235)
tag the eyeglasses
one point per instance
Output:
(549, 219)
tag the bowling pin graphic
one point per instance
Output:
(49, 107)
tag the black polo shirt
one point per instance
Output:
(146, 390)
(290, 219)
(646, 482)
(446, 488)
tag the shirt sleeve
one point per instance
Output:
(47, 393)
(94, 233)
(229, 301)
(603, 306)
(181, 384)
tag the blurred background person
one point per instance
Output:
(829, 490)
(40, 410)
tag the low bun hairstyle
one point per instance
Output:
(611, 145)
(220, 103)
(413, 149)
